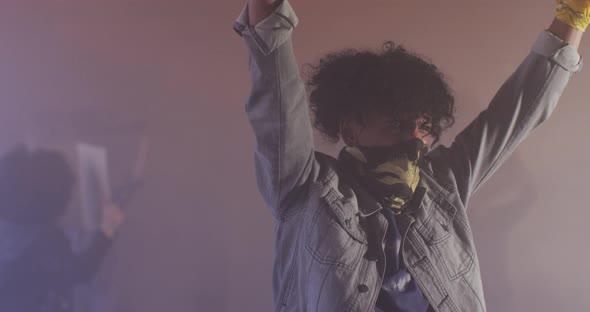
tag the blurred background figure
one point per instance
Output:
(38, 268)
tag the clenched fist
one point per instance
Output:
(112, 218)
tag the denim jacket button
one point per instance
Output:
(363, 288)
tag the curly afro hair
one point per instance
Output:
(351, 83)
(35, 186)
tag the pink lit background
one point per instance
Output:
(198, 236)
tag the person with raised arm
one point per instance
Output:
(38, 266)
(383, 227)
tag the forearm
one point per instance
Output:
(566, 33)
(258, 10)
(525, 100)
(87, 263)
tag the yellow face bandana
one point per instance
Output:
(389, 173)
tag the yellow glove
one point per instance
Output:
(575, 13)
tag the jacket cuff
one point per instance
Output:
(271, 32)
(558, 51)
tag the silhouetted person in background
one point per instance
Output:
(38, 269)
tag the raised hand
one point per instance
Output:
(575, 13)
(112, 218)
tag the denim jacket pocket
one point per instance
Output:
(447, 237)
(334, 236)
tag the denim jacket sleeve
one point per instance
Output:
(277, 109)
(524, 101)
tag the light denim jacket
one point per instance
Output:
(328, 233)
